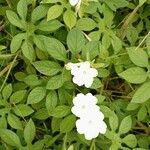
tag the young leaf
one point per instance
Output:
(39, 12)
(54, 12)
(32, 80)
(142, 94)
(41, 114)
(69, 18)
(138, 56)
(49, 25)
(28, 51)
(60, 111)
(14, 121)
(55, 48)
(75, 40)
(14, 19)
(67, 124)
(10, 137)
(91, 50)
(142, 113)
(46, 67)
(23, 110)
(130, 140)
(134, 75)
(17, 96)
(86, 24)
(36, 95)
(29, 132)
(7, 91)
(125, 125)
(51, 101)
(113, 121)
(22, 9)
(55, 82)
(16, 42)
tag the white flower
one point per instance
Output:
(91, 118)
(85, 104)
(91, 126)
(83, 73)
(73, 2)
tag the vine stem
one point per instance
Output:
(143, 40)
(9, 70)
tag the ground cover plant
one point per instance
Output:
(74, 74)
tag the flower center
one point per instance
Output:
(84, 72)
(90, 122)
(83, 107)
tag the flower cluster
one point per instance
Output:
(90, 122)
(82, 73)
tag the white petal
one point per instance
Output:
(80, 126)
(73, 2)
(78, 80)
(88, 82)
(93, 72)
(92, 98)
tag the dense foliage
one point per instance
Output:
(39, 37)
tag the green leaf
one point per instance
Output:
(130, 140)
(16, 42)
(54, 12)
(91, 50)
(86, 24)
(51, 101)
(20, 76)
(41, 114)
(7, 91)
(60, 111)
(69, 18)
(39, 12)
(75, 40)
(96, 84)
(29, 132)
(46, 67)
(10, 137)
(132, 35)
(138, 56)
(36, 95)
(14, 19)
(55, 124)
(32, 80)
(113, 121)
(125, 125)
(142, 94)
(28, 50)
(49, 25)
(142, 113)
(67, 124)
(134, 75)
(22, 9)
(17, 96)
(116, 43)
(55, 82)
(14, 121)
(23, 110)
(115, 4)
(54, 47)
(3, 122)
